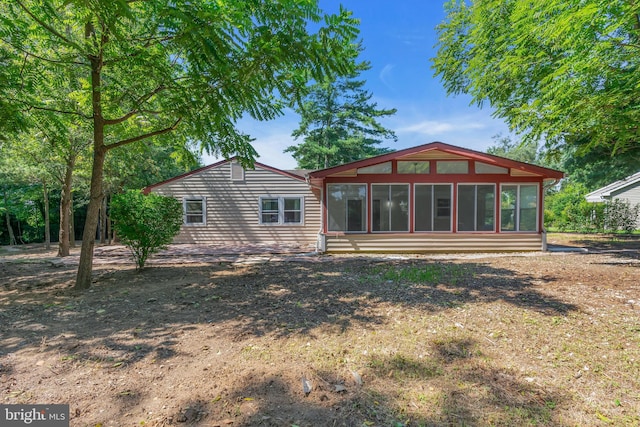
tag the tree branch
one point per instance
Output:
(53, 61)
(54, 110)
(48, 27)
(136, 110)
(144, 136)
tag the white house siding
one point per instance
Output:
(232, 207)
(630, 193)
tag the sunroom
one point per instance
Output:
(435, 197)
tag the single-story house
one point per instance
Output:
(431, 198)
(625, 189)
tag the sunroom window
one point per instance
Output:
(390, 207)
(476, 207)
(519, 207)
(432, 209)
(347, 207)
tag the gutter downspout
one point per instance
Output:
(321, 244)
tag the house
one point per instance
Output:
(225, 204)
(435, 197)
(625, 189)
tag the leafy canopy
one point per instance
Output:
(145, 223)
(552, 68)
(339, 123)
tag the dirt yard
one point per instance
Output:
(215, 338)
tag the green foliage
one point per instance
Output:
(145, 224)
(568, 210)
(555, 70)
(525, 151)
(339, 123)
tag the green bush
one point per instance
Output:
(145, 223)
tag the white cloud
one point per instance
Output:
(385, 75)
(433, 127)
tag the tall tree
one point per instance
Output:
(522, 151)
(184, 68)
(550, 68)
(339, 123)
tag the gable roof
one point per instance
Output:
(602, 194)
(291, 174)
(429, 150)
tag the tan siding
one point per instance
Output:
(233, 207)
(433, 155)
(415, 243)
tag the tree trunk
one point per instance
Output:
(85, 267)
(103, 220)
(72, 224)
(47, 224)
(12, 236)
(66, 217)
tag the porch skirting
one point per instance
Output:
(442, 243)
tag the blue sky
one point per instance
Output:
(399, 39)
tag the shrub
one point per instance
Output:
(145, 224)
(621, 215)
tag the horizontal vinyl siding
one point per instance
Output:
(415, 243)
(233, 207)
(631, 193)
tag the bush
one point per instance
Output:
(621, 215)
(145, 224)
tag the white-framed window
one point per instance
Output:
(194, 210)
(519, 207)
(281, 210)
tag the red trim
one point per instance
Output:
(465, 152)
(149, 188)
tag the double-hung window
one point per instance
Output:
(279, 210)
(194, 210)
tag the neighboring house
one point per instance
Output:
(626, 189)
(431, 198)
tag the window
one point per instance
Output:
(452, 166)
(281, 210)
(519, 207)
(379, 168)
(194, 210)
(432, 207)
(346, 207)
(487, 168)
(416, 167)
(390, 207)
(476, 207)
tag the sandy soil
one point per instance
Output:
(218, 337)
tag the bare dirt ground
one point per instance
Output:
(211, 337)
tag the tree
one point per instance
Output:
(184, 69)
(145, 224)
(525, 151)
(552, 69)
(339, 123)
